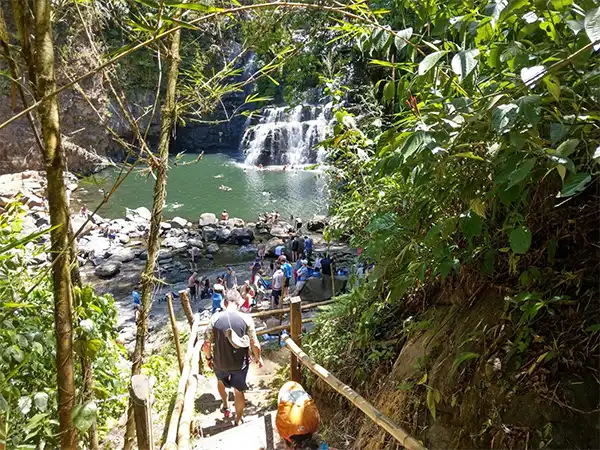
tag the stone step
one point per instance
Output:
(257, 434)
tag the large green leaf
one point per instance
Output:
(429, 62)
(520, 240)
(504, 117)
(567, 147)
(415, 143)
(471, 225)
(592, 26)
(529, 108)
(401, 37)
(521, 172)
(84, 416)
(464, 62)
(575, 183)
(388, 91)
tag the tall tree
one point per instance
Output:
(169, 114)
(40, 62)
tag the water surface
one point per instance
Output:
(193, 189)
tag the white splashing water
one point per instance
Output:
(287, 136)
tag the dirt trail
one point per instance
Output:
(260, 402)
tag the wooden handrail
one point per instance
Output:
(355, 398)
(276, 312)
(171, 440)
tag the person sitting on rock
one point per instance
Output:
(247, 294)
(225, 215)
(298, 418)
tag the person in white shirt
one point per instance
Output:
(277, 285)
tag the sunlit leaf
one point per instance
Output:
(41, 401)
(592, 27)
(504, 117)
(464, 62)
(84, 416)
(430, 61)
(553, 86)
(401, 37)
(575, 183)
(531, 75)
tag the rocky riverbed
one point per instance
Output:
(112, 253)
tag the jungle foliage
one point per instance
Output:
(472, 163)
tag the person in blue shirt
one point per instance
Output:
(218, 293)
(287, 273)
(301, 276)
(137, 302)
(308, 246)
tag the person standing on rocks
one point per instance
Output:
(277, 285)
(308, 247)
(225, 215)
(288, 271)
(228, 339)
(230, 278)
(217, 296)
(301, 276)
(193, 286)
(255, 268)
(295, 247)
(262, 248)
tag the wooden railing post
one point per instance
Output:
(142, 408)
(185, 303)
(295, 333)
(175, 331)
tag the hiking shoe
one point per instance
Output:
(226, 412)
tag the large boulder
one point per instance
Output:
(109, 269)
(272, 244)
(77, 222)
(212, 248)
(245, 250)
(174, 242)
(208, 220)
(97, 246)
(178, 222)
(165, 226)
(209, 234)
(317, 223)
(194, 242)
(123, 238)
(281, 229)
(223, 234)
(123, 255)
(139, 214)
(235, 223)
(241, 236)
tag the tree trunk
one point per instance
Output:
(59, 217)
(169, 113)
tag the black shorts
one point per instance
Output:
(235, 379)
(192, 290)
(276, 293)
(286, 283)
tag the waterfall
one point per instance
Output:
(286, 135)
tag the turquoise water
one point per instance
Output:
(192, 189)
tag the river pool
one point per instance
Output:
(196, 187)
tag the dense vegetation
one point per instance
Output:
(473, 174)
(464, 162)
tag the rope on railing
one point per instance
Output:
(356, 399)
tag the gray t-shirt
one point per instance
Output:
(227, 358)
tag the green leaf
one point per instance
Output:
(562, 172)
(423, 379)
(478, 206)
(464, 62)
(553, 86)
(3, 403)
(529, 108)
(597, 154)
(469, 155)
(401, 37)
(431, 397)
(521, 172)
(429, 62)
(415, 143)
(84, 416)
(465, 356)
(471, 225)
(388, 91)
(593, 328)
(41, 401)
(576, 182)
(567, 147)
(592, 26)
(520, 240)
(29, 238)
(194, 6)
(504, 117)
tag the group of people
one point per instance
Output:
(230, 346)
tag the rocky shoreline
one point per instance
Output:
(112, 252)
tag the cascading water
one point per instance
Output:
(287, 135)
